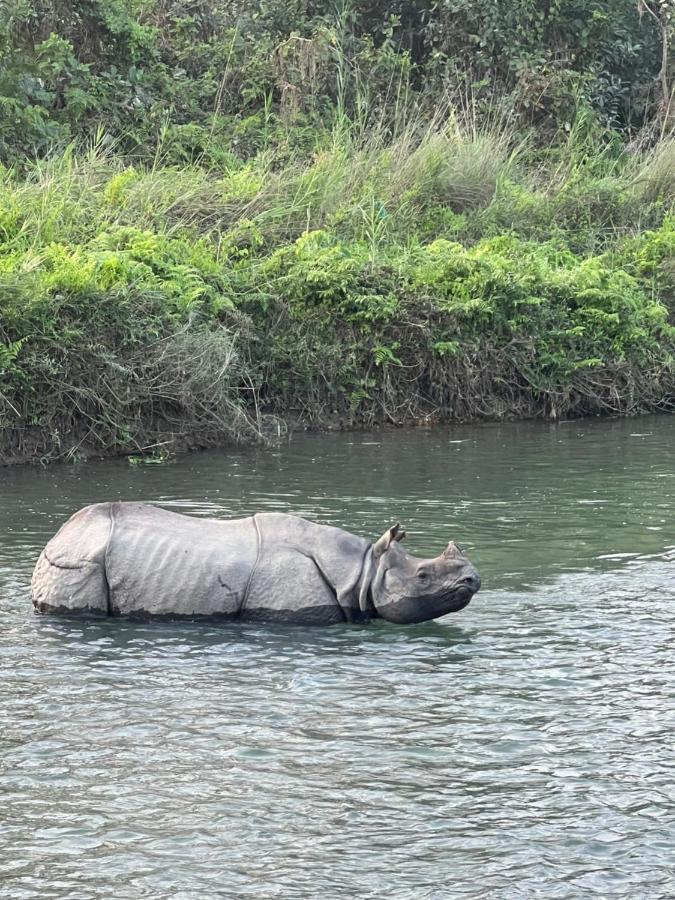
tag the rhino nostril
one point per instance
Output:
(471, 581)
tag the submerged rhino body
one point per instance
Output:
(141, 561)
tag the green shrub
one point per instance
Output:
(143, 302)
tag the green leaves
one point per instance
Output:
(385, 356)
(353, 288)
(8, 354)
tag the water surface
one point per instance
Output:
(520, 748)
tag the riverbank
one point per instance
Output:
(449, 274)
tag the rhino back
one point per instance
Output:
(161, 563)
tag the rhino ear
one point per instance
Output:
(395, 533)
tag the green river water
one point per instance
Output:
(522, 748)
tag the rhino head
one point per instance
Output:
(406, 590)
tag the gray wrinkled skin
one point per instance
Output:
(139, 561)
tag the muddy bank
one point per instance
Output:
(155, 441)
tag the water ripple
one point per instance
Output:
(521, 749)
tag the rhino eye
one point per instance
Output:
(422, 575)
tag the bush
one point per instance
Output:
(219, 77)
(444, 272)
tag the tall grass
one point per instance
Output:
(70, 196)
(142, 304)
(654, 176)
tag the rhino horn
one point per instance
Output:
(452, 550)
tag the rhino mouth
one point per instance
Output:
(459, 598)
(464, 588)
(449, 601)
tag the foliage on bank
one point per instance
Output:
(215, 216)
(138, 70)
(447, 273)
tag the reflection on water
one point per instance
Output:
(521, 748)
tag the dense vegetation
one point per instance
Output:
(215, 218)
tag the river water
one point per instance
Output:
(521, 748)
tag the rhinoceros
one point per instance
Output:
(142, 561)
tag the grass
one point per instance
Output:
(449, 271)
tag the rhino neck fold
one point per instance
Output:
(365, 593)
(367, 568)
